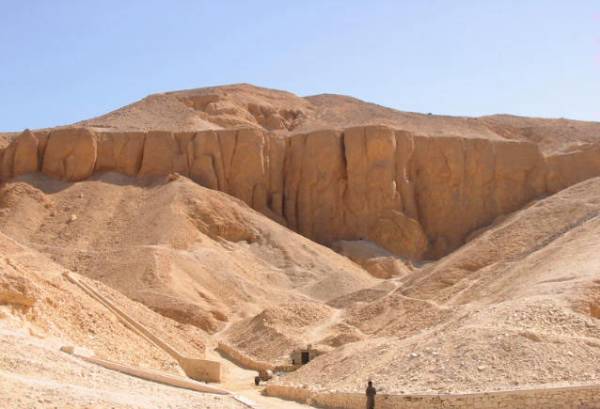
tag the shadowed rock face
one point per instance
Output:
(416, 196)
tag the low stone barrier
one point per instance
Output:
(201, 369)
(243, 360)
(286, 368)
(570, 397)
(155, 376)
(196, 368)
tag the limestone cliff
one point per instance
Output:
(417, 196)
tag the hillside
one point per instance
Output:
(246, 105)
(203, 257)
(426, 252)
(515, 307)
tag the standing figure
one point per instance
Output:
(370, 395)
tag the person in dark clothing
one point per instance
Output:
(370, 392)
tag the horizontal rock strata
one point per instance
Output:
(416, 196)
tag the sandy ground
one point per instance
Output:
(39, 303)
(516, 306)
(34, 374)
(241, 383)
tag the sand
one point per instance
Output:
(516, 306)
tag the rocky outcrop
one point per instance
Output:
(70, 154)
(569, 168)
(416, 196)
(120, 152)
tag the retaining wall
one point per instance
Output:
(201, 369)
(196, 368)
(155, 376)
(572, 397)
(243, 360)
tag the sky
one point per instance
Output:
(63, 61)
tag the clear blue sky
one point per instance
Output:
(63, 61)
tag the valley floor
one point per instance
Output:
(35, 374)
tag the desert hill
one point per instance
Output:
(41, 311)
(514, 307)
(335, 168)
(465, 248)
(376, 183)
(202, 256)
(246, 105)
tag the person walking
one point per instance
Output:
(370, 392)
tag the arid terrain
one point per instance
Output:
(427, 253)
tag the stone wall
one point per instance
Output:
(156, 376)
(201, 369)
(416, 196)
(196, 368)
(243, 360)
(573, 397)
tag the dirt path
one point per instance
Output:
(237, 380)
(240, 382)
(318, 332)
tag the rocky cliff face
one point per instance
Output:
(417, 196)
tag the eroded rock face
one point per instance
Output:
(26, 154)
(70, 154)
(416, 196)
(120, 152)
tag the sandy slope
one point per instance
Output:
(517, 305)
(35, 297)
(245, 105)
(193, 254)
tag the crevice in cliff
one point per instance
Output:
(236, 137)
(43, 154)
(495, 180)
(140, 161)
(284, 182)
(297, 212)
(42, 144)
(413, 181)
(226, 167)
(190, 154)
(344, 157)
